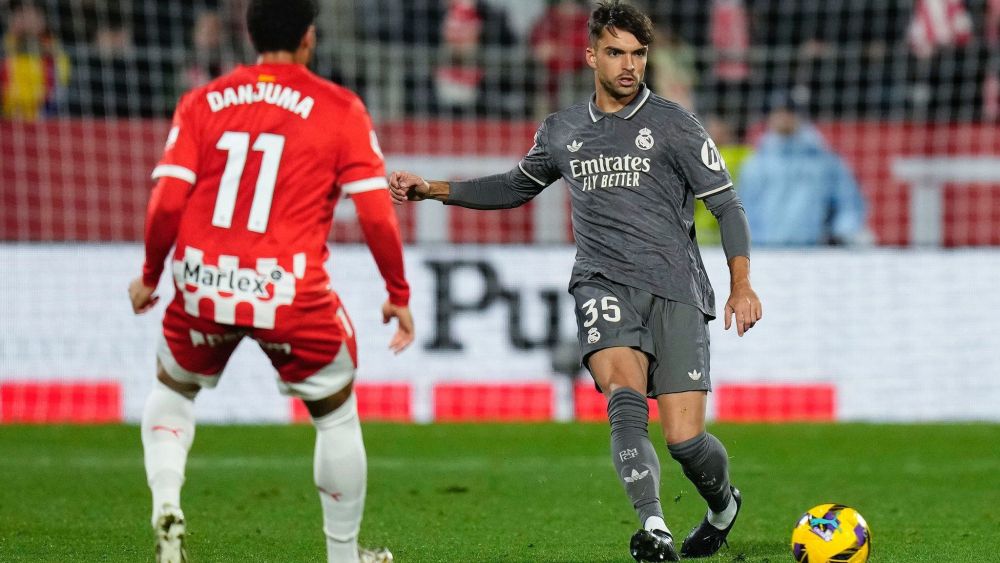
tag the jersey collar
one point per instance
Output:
(626, 112)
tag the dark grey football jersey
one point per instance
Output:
(634, 176)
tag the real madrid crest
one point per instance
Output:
(645, 139)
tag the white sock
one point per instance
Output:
(340, 470)
(167, 434)
(722, 519)
(655, 523)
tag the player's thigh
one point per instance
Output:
(314, 351)
(681, 342)
(192, 350)
(612, 333)
(616, 367)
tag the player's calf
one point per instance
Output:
(633, 454)
(706, 464)
(340, 473)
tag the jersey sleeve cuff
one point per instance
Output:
(174, 171)
(365, 185)
(705, 194)
(400, 299)
(149, 277)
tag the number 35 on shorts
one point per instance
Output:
(609, 311)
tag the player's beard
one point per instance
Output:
(611, 87)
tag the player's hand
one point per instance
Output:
(142, 296)
(404, 332)
(405, 186)
(744, 305)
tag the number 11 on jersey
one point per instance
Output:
(237, 144)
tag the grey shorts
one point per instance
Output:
(673, 335)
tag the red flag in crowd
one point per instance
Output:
(730, 34)
(938, 23)
(992, 26)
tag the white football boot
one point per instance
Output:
(376, 555)
(170, 532)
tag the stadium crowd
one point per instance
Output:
(923, 59)
(891, 64)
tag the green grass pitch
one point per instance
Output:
(500, 493)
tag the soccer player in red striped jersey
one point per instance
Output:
(253, 167)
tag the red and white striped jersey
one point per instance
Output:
(268, 150)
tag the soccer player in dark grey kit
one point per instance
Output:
(634, 164)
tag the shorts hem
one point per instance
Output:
(180, 374)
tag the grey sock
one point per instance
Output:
(706, 463)
(632, 453)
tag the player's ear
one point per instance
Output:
(592, 58)
(309, 39)
(307, 46)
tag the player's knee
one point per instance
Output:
(320, 408)
(188, 390)
(680, 433)
(345, 412)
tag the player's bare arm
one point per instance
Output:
(406, 186)
(166, 205)
(143, 297)
(404, 329)
(743, 303)
(381, 230)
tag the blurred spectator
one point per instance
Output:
(953, 59)
(991, 82)
(727, 84)
(733, 152)
(796, 45)
(688, 19)
(112, 78)
(113, 39)
(824, 50)
(35, 70)
(210, 55)
(457, 81)
(472, 78)
(672, 67)
(337, 25)
(795, 190)
(408, 22)
(559, 41)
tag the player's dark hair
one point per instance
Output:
(614, 14)
(279, 25)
